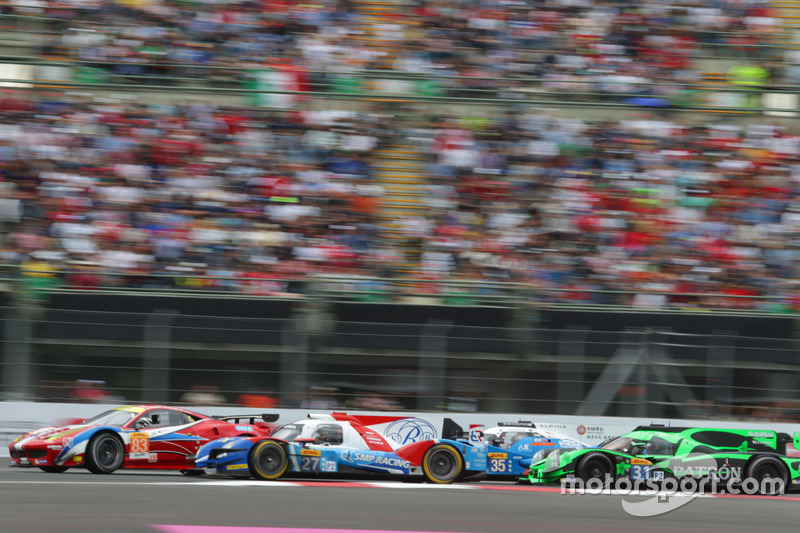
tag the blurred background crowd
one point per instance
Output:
(651, 209)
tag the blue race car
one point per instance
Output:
(342, 444)
(511, 446)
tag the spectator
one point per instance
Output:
(203, 395)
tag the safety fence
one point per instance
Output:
(334, 349)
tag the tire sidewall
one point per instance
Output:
(760, 462)
(253, 463)
(431, 453)
(91, 456)
(591, 459)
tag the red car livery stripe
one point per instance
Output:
(414, 452)
(367, 420)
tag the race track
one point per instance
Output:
(152, 502)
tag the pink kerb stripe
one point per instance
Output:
(232, 529)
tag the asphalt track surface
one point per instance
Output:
(167, 502)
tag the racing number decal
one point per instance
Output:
(317, 464)
(497, 465)
(140, 446)
(640, 472)
(309, 464)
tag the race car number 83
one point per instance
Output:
(140, 443)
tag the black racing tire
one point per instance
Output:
(193, 472)
(54, 469)
(595, 466)
(442, 464)
(765, 468)
(104, 454)
(268, 460)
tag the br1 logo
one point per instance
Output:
(409, 430)
(476, 433)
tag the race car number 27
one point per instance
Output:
(140, 446)
(317, 464)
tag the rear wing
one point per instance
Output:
(789, 444)
(521, 423)
(266, 417)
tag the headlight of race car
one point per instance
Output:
(552, 460)
(538, 456)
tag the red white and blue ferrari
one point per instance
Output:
(142, 436)
(341, 444)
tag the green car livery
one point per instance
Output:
(656, 453)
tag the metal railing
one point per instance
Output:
(38, 285)
(311, 357)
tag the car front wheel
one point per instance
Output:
(595, 466)
(104, 454)
(268, 460)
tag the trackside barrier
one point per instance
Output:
(17, 418)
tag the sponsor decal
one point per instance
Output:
(310, 453)
(54, 447)
(476, 433)
(152, 458)
(494, 455)
(760, 434)
(410, 430)
(140, 446)
(244, 428)
(637, 461)
(581, 430)
(41, 461)
(237, 467)
(67, 442)
(379, 460)
(78, 458)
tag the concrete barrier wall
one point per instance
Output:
(17, 418)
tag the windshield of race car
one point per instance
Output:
(113, 417)
(289, 432)
(506, 439)
(620, 444)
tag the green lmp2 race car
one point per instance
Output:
(656, 453)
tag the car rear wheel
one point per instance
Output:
(769, 475)
(595, 466)
(268, 460)
(53, 469)
(104, 453)
(442, 464)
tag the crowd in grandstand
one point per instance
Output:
(642, 205)
(225, 198)
(617, 46)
